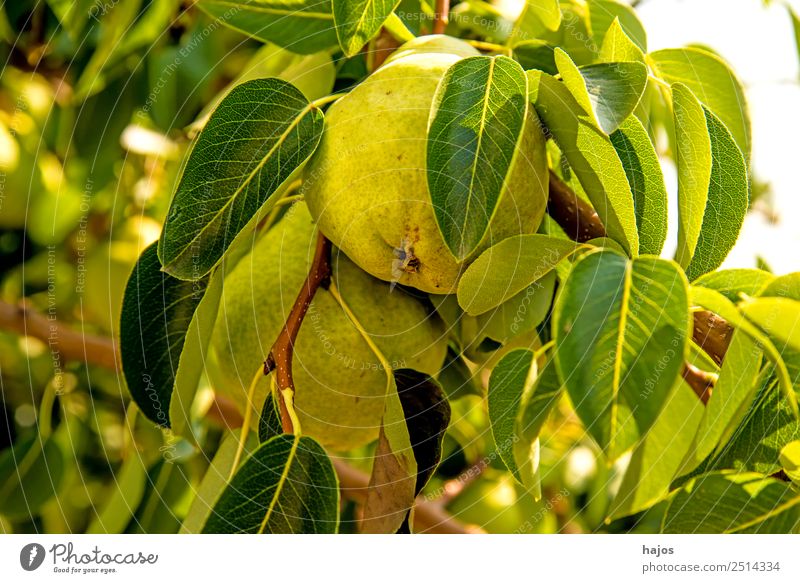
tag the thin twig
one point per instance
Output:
(441, 16)
(65, 343)
(579, 220)
(280, 357)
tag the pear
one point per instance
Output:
(366, 184)
(340, 384)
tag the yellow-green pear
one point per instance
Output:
(366, 184)
(339, 381)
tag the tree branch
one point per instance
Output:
(581, 223)
(441, 15)
(280, 357)
(65, 343)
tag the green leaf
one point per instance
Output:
(507, 268)
(621, 329)
(784, 286)
(477, 125)
(733, 394)
(518, 406)
(643, 169)
(520, 314)
(125, 494)
(603, 13)
(618, 46)
(659, 456)
(269, 423)
(714, 84)
(590, 155)
(719, 304)
(256, 140)
(733, 282)
(713, 188)
(287, 486)
(427, 415)
(357, 21)
(729, 502)
(31, 473)
(302, 26)
(778, 317)
(607, 91)
(536, 16)
(215, 480)
(790, 460)
(158, 311)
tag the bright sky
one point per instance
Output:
(759, 42)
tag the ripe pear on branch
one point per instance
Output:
(366, 184)
(339, 381)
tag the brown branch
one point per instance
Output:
(441, 15)
(280, 357)
(581, 223)
(579, 220)
(64, 343)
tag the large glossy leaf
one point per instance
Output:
(357, 21)
(658, 457)
(621, 328)
(477, 123)
(713, 188)
(608, 91)
(778, 317)
(505, 269)
(730, 502)
(643, 169)
(714, 84)
(256, 140)
(158, 311)
(31, 473)
(286, 486)
(302, 26)
(602, 14)
(590, 155)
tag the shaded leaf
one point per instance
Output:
(357, 21)
(507, 268)
(427, 414)
(157, 312)
(125, 494)
(302, 26)
(620, 328)
(734, 503)
(286, 486)
(269, 423)
(590, 155)
(520, 314)
(476, 127)
(259, 136)
(536, 54)
(643, 169)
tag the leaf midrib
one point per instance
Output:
(623, 320)
(281, 482)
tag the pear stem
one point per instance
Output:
(280, 357)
